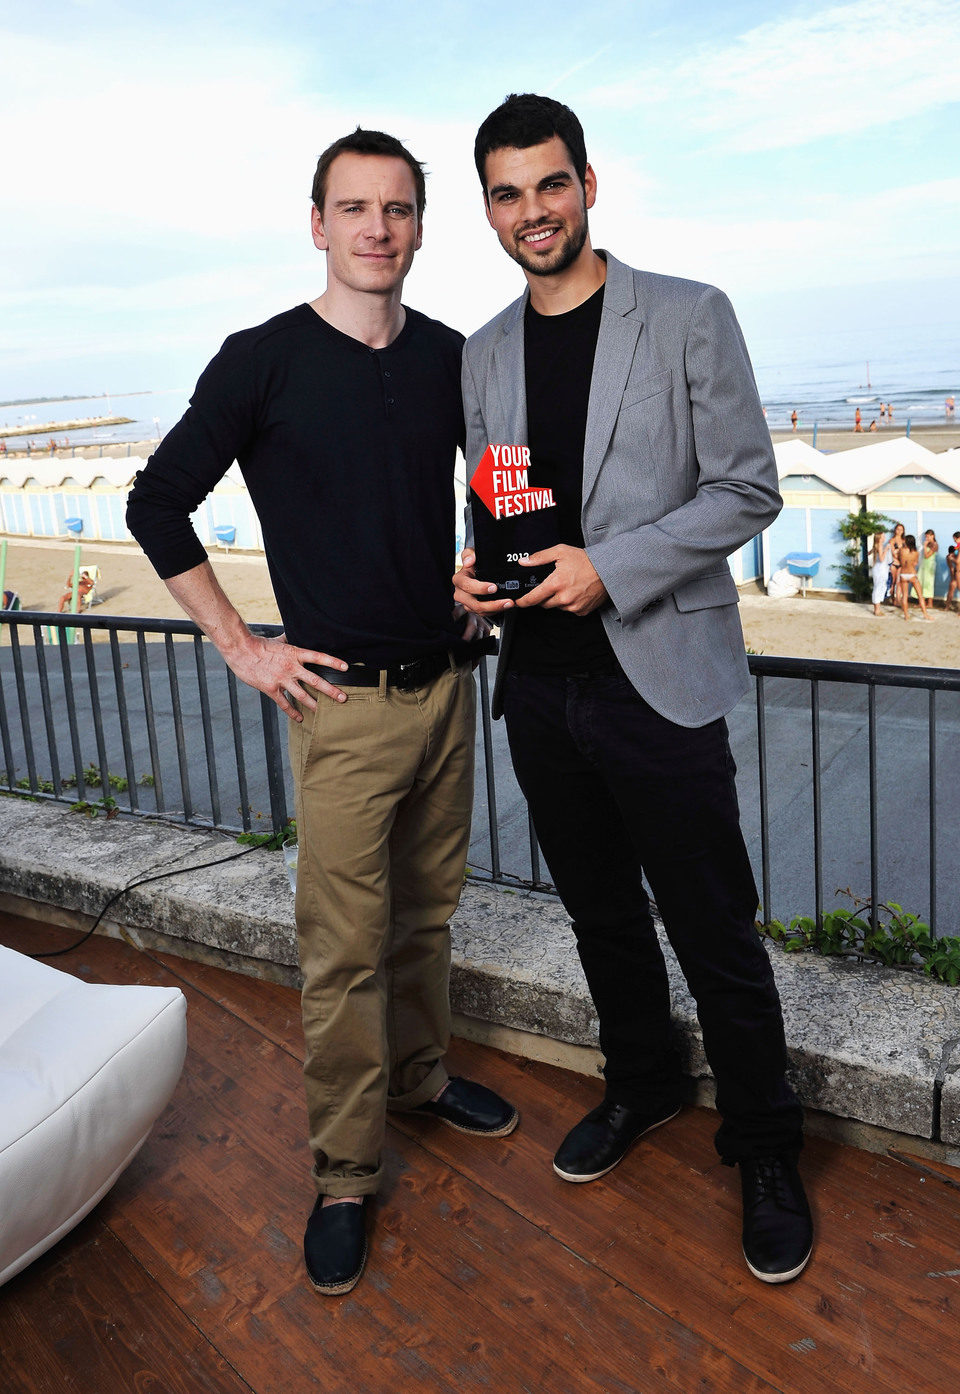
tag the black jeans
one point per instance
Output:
(615, 788)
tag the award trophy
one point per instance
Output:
(512, 518)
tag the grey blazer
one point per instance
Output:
(678, 472)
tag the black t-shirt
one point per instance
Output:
(558, 365)
(348, 455)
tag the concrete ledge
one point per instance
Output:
(875, 1046)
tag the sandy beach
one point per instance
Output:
(809, 628)
(39, 571)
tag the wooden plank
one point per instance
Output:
(271, 1008)
(928, 1166)
(486, 1269)
(446, 1298)
(86, 1317)
(666, 1224)
(425, 1282)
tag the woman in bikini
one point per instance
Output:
(908, 576)
(896, 542)
(880, 570)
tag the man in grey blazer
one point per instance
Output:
(635, 396)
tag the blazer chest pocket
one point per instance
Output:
(716, 588)
(645, 445)
(636, 393)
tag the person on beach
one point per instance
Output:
(857, 420)
(927, 570)
(85, 584)
(952, 575)
(880, 571)
(793, 419)
(896, 546)
(908, 576)
(635, 397)
(345, 416)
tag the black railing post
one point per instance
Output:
(121, 696)
(238, 751)
(932, 722)
(874, 807)
(274, 754)
(766, 911)
(488, 769)
(817, 797)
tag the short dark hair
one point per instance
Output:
(524, 119)
(361, 142)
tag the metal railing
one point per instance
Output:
(146, 712)
(161, 728)
(874, 678)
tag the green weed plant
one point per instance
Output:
(899, 939)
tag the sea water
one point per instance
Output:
(821, 378)
(152, 414)
(820, 375)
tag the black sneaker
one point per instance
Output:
(602, 1139)
(335, 1246)
(777, 1227)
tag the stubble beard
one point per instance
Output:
(559, 260)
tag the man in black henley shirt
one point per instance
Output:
(344, 415)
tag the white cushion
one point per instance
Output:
(85, 1069)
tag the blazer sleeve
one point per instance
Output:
(736, 494)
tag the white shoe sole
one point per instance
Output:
(595, 1175)
(779, 1277)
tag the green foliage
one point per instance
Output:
(900, 939)
(863, 524)
(107, 806)
(93, 779)
(854, 570)
(271, 842)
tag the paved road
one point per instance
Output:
(903, 760)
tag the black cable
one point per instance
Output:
(142, 881)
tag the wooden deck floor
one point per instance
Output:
(487, 1273)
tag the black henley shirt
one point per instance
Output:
(348, 456)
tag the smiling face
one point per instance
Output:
(537, 206)
(368, 225)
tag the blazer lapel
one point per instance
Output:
(620, 327)
(511, 378)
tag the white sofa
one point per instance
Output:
(85, 1069)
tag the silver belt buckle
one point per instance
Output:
(407, 680)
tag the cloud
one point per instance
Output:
(804, 240)
(787, 82)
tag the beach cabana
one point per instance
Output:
(900, 478)
(817, 494)
(37, 496)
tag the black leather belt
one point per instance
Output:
(403, 676)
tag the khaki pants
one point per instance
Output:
(384, 792)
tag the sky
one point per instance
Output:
(158, 162)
